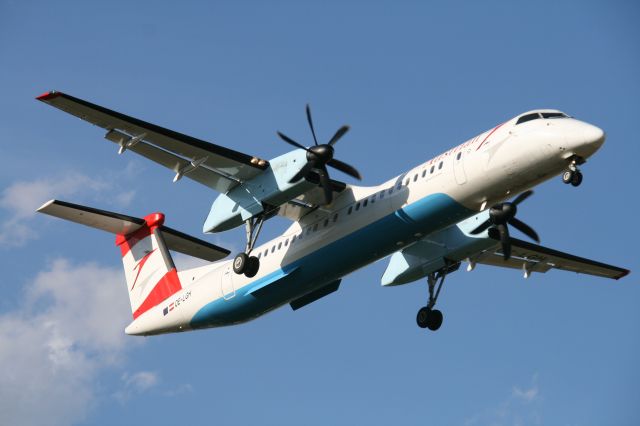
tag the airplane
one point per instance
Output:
(451, 209)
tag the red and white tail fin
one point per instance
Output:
(150, 273)
(145, 243)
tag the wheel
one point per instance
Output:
(422, 316)
(434, 319)
(251, 269)
(240, 263)
(576, 179)
(567, 176)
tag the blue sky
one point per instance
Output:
(412, 80)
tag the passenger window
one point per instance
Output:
(293, 239)
(399, 184)
(440, 165)
(358, 206)
(350, 210)
(391, 190)
(335, 217)
(373, 198)
(273, 249)
(406, 182)
(279, 245)
(424, 172)
(415, 177)
(258, 255)
(459, 155)
(286, 242)
(308, 230)
(326, 222)
(266, 252)
(381, 194)
(364, 204)
(432, 169)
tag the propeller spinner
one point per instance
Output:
(319, 156)
(502, 214)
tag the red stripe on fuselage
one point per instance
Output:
(167, 286)
(490, 133)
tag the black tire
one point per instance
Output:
(576, 179)
(240, 263)
(253, 264)
(567, 177)
(434, 320)
(423, 315)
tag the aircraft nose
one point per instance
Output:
(593, 136)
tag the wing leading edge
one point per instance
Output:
(212, 165)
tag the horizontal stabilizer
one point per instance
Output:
(120, 224)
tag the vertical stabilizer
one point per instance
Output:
(150, 273)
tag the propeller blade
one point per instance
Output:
(520, 198)
(345, 168)
(313, 132)
(505, 241)
(325, 184)
(483, 226)
(340, 133)
(303, 171)
(290, 141)
(525, 229)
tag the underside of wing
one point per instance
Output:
(212, 165)
(535, 258)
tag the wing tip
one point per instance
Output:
(45, 206)
(623, 274)
(48, 95)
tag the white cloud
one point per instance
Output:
(135, 384)
(69, 330)
(21, 199)
(520, 408)
(527, 395)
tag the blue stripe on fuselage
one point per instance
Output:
(334, 260)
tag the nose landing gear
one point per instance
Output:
(572, 175)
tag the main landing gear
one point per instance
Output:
(572, 175)
(244, 263)
(427, 316)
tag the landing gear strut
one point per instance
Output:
(572, 175)
(244, 263)
(427, 316)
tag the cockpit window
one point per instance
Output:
(528, 117)
(554, 115)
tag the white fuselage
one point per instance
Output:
(364, 224)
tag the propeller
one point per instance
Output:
(319, 156)
(502, 214)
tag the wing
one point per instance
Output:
(214, 166)
(535, 258)
(296, 208)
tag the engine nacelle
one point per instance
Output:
(428, 255)
(271, 187)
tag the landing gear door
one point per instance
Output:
(458, 168)
(226, 283)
